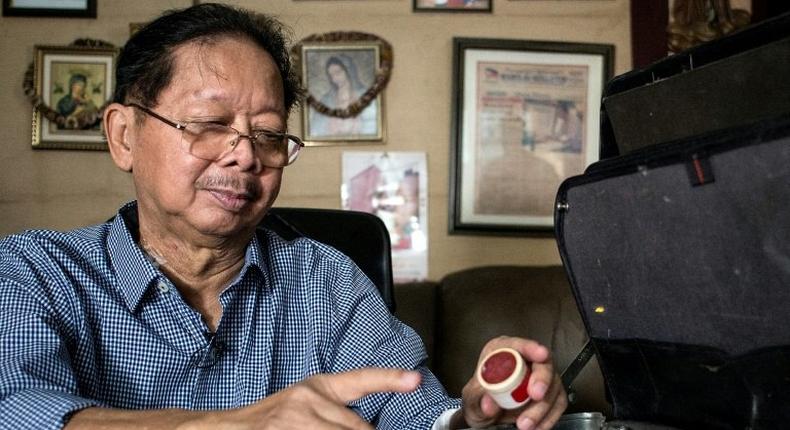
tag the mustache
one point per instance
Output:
(248, 188)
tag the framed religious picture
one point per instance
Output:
(50, 8)
(344, 74)
(72, 86)
(525, 117)
(451, 5)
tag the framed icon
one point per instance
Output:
(344, 74)
(72, 84)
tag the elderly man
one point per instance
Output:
(176, 313)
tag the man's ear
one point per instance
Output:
(118, 124)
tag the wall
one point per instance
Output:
(66, 189)
(53, 188)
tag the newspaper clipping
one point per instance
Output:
(393, 186)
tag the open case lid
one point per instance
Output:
(735, 80)
(679, 259)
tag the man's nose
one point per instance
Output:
(244, 154)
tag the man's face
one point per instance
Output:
(231, 82)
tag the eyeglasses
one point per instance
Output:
(212, 141)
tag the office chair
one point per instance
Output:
(362, 236)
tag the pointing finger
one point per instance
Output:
(355, 384)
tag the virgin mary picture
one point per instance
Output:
(337, 78)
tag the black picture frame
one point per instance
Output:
(89, 11)
(463, 6)
(525, 116)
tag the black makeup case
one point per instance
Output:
(677, 243)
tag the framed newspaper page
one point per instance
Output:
(525, 117)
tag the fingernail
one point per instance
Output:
(538, 390)
(411, 379)
(525, 423)
(488, 406)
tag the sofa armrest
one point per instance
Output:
(417, 309)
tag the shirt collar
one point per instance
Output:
(254, 255)
(135, 272)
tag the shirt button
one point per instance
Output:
(163, 287)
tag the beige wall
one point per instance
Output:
(66, 189)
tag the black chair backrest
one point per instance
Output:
(363, 237)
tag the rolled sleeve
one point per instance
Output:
(367, 335)
(38, 387)
(37, 408)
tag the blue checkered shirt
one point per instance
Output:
(87, 320)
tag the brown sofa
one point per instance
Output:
(458, 314)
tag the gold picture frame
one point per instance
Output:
(72, 85)
(344, 74)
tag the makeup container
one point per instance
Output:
(504, 374)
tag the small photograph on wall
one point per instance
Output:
(451, 5)
(392, 186)
(50, 8)
(74, 83)
(336, 77)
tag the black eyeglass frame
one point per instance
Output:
(252, 138)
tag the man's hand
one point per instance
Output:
(319, 402)
(547, 396)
